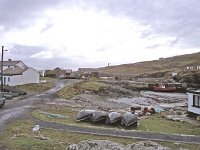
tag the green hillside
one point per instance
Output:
(176, 63)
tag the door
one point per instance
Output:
(4, 81)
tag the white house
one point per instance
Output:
(10, 64)
(18, 76)
(194, 101)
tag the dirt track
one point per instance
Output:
(14, 109)
(122, 133)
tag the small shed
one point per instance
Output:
(194, 101)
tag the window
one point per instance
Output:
(8, 79)
(196, 100)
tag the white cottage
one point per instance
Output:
(194, 101)
(10, 63)
(20, 75)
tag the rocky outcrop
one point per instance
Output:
(96, 144)
(146, 145)
(108, 145)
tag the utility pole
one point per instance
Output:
(2, 99)
(2, 51)
(2, 69)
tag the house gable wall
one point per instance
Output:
(191, 108)
(29, 76)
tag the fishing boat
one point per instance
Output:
(113, 117)
(84, 114)
(164, 88)
(129, 119)
(99, 116)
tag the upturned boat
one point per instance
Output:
(129, 119)
(113, 117)
(99, 116)
(84, 114)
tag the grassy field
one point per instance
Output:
(154, 123)
(69, 91)
(18, 135)
(37, 88)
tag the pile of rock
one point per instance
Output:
(108, 145)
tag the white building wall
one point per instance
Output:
(190, 103)
(29, 76)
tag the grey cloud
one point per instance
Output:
(21, 13)
(178, 18)
(153, 46)
(24, 51)
(169, 43)
(47, 27)
(65, 63)
(173, 42)
(50, 63)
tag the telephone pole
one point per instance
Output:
(2, 51)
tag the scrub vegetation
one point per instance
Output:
(78, 88)
(38, 88)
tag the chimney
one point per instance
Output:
(9, 59)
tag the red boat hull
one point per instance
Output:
(161, 89)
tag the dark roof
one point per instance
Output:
(10, 63)
(194, 91)
(14, 71)
(57, 68)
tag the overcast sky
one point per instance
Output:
(92, 33)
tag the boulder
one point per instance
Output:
(146, 145)
(108, 145)
(96, 144)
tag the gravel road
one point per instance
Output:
(122, 133)
(14, 109)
